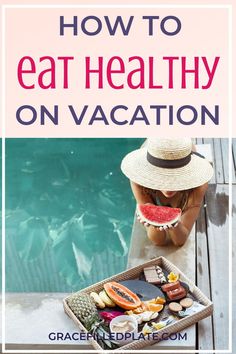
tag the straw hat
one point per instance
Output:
(167, 164)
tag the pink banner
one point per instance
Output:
(116, 71)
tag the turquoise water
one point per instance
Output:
(69, 212)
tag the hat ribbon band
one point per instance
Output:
(169, 163)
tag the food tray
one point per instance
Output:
(133, 273)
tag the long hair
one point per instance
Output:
(183, 202)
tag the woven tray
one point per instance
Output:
(133, 273)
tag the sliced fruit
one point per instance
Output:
(144, 306)
(122, 296)
(98, 301)
(159, 325)
(160, 300)
(106, 299)
(138, 310)
(158, 215)
(149, 315)
(155, 307)
(157, 300)
(108, 316)
(146, 329)
(129, 312)
(152, 301)
(154, 315)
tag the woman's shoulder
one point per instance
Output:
(197, 194)
(201, 189)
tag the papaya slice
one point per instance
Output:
(122, 296)
(155, 307)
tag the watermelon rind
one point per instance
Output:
(156, 223)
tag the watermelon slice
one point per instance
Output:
(158, 215)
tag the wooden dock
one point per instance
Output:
(205, 256)
(213, 247)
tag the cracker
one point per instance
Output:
(186, 302)
(175, 307)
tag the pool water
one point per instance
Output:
(69, 212)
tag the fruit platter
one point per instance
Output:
(135, 308)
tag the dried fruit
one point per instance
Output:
(155, 307)
(145, 316)
(158, 325)
(138, 310)
(146, 329)
(157, 300)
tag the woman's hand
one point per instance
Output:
(160, 228)
(142, 221)
(168, 227)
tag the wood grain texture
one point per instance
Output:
(225, 159)
(234, 161)
(234, 150)
(219, 172)
(210, 141)
(218, 242)
(205, 327)
(234, 266)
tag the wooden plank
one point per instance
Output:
(199, 140)
(234, 265)
(206, 151)
(218, 162)
(205, 327)
(234, 161)
(225, 159)
(234, 150)
(211, 143)
(208, 141)
(218, 237)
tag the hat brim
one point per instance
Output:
(137, 168)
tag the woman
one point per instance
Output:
(168, 172)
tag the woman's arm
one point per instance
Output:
(179, 234)
(158, 237)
